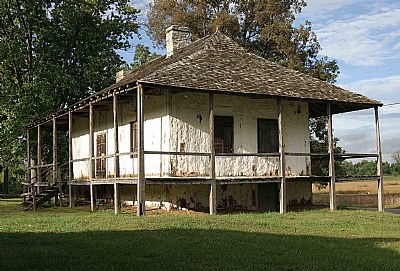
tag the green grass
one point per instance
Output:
(76, 239)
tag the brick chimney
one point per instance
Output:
(176, 38)
(120, 75)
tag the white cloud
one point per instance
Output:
(143, 6)
(356, 131)
(365, 40)
(326, 6)
(386, 89)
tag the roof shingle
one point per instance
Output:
(217, 63)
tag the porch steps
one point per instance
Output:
(42, 197)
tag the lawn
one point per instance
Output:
(76, 239)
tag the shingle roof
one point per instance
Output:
(217, 63)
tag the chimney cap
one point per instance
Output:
(177, 28)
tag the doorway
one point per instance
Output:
(268, 197)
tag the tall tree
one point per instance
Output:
(53, 53)
(396, 157)
(265, 27)
(142, 55)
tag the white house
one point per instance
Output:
(209, 125)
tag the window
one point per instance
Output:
(133, 129)
(267, 135)
(223, 134)
(101, 151)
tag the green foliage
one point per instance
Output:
(368, 168)
(396, 157)
(264, 27)
(142, 55)
(319, 144)
(54, 53)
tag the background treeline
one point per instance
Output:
(368, 168)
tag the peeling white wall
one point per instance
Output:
(195, 196)
(299, 192)
(179, 122)
(80, 149)
(156, 137)
(189, 132)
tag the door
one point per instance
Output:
(101, 151)
(268, 197)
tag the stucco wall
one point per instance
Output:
(195, 196)
(182, 125)
(80, 143)
(156, 137)
(189, 132)
(299, 192)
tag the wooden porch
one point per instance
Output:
(62, 121)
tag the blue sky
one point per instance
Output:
(364, 37)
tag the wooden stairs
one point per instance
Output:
(44, 196)
(40, 198)
(36, 193)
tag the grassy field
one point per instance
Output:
(361, 193)
(76, 239)
(391, 186)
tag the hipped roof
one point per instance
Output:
(218, 64)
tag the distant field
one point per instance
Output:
(56, 238)
(362, 193)
(391, 185)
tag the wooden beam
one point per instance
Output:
(91, 149)
(56, 177)
(54, 134)
(282, 160)
(93, 196)
(379, 168)
(70, 158)
(140, 156)
(28, 156)
(39, 156)
(117, 198)
(332, 190)
(116, 157)
(32, 187)
(213, 186)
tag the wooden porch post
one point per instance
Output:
(56, 177)
(381, 206)
(91, 168)
(28, 155)
(117, 205)
(70, 163)
(141, 181)
(332, 191)
(31, 189)
(39, 158)
(282, 165)
(213, 187)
